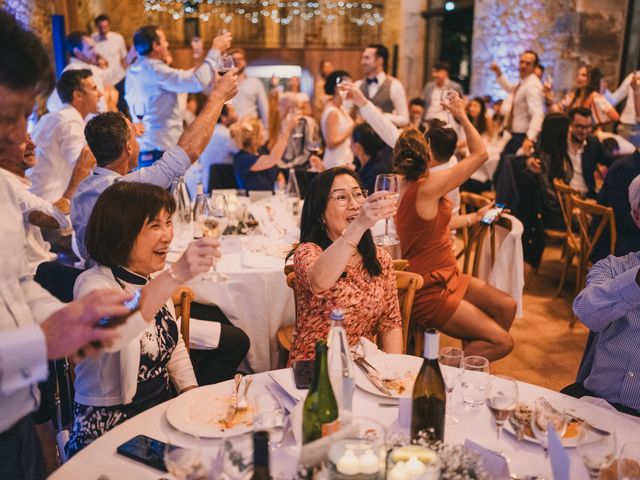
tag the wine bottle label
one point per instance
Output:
(331, 427)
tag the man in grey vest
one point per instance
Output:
(384, 91)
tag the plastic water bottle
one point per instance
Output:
(341, 368)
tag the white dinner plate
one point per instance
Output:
(391, 365)
(566, 442)
(199, 411)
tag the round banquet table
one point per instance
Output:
(255, 298)
(100, 460)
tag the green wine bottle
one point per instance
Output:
(320, 414)
(429, 395)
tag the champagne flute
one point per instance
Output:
(388, 183)
(183, 457)
(341, 91)
(502, 399)
(597, 449)
(629, 462)
(217, 219)
(451, 357)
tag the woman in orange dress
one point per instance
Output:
(459, 305)
(337, 265)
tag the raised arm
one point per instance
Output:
(330, 264)
(379, 122)
(265, 162)
(197, 135)
(441, 183)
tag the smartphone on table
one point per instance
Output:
(146, 450)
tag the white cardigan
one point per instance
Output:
(111, 378)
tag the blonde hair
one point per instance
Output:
(245, 133)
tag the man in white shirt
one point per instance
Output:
(59, 136)
(115, 147)
(384, 91)
(252, 100)
(37, 212)
(434, 90)
(221, 148)
(35, 326)
(524, 107)
(629, 126)
(112, 47)
(152, 89)
(82, 56)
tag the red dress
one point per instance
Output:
(370, 304)
(426, 244)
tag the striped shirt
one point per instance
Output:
(610, 307)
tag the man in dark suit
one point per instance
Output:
(585, 152)
(615, 193)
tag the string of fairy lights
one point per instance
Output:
(362, 14)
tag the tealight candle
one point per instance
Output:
(369, 462)
(398, 472)
(414, 467)
(348, 464)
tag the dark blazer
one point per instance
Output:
(615, 193)
(593, 154)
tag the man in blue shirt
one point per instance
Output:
(610, 307)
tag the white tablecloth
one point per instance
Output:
(100, 457)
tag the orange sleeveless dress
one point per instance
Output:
(426, 244)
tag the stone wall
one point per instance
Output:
(33, 14)
(563, 32)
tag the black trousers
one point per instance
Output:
(213, 366)
(512, 146)
(122, 103)
(20, 452)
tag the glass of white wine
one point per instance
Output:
(213, 220)
(502, 400)
(388, 183)
(451, 357)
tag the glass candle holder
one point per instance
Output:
(413, 462)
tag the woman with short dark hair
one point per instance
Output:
(337, 265)
(128, 236)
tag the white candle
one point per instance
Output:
(398, 472)
(415, 467)
(348, 464)
(369, 462)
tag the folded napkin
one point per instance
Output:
(204, 335)
(367, 348)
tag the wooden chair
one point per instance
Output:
(407, 284)
(473, 247)
(470, 202)
(569, 236)
(592, 219)
(182, 299)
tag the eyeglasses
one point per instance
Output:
(342, 197)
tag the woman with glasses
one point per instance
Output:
(337, 265)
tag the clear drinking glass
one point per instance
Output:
(238, 457)
(341, 91)
(219, 213)
(629, 462)
(475, 377)
(451, 357)
(388, 183)
(502, 400)
(447, 96)
(596, 448)
(183, 457)
(269, 416)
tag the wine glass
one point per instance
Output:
(341, 90)
(451, 357)
(629, 462)
(269, 417)
(225, 63)
(475, 376)
(139, 110)
(543, 415)
(218, 218)
(596, 448)
(447, 96)
(502, 399)
(388, 183)
(183, 457)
